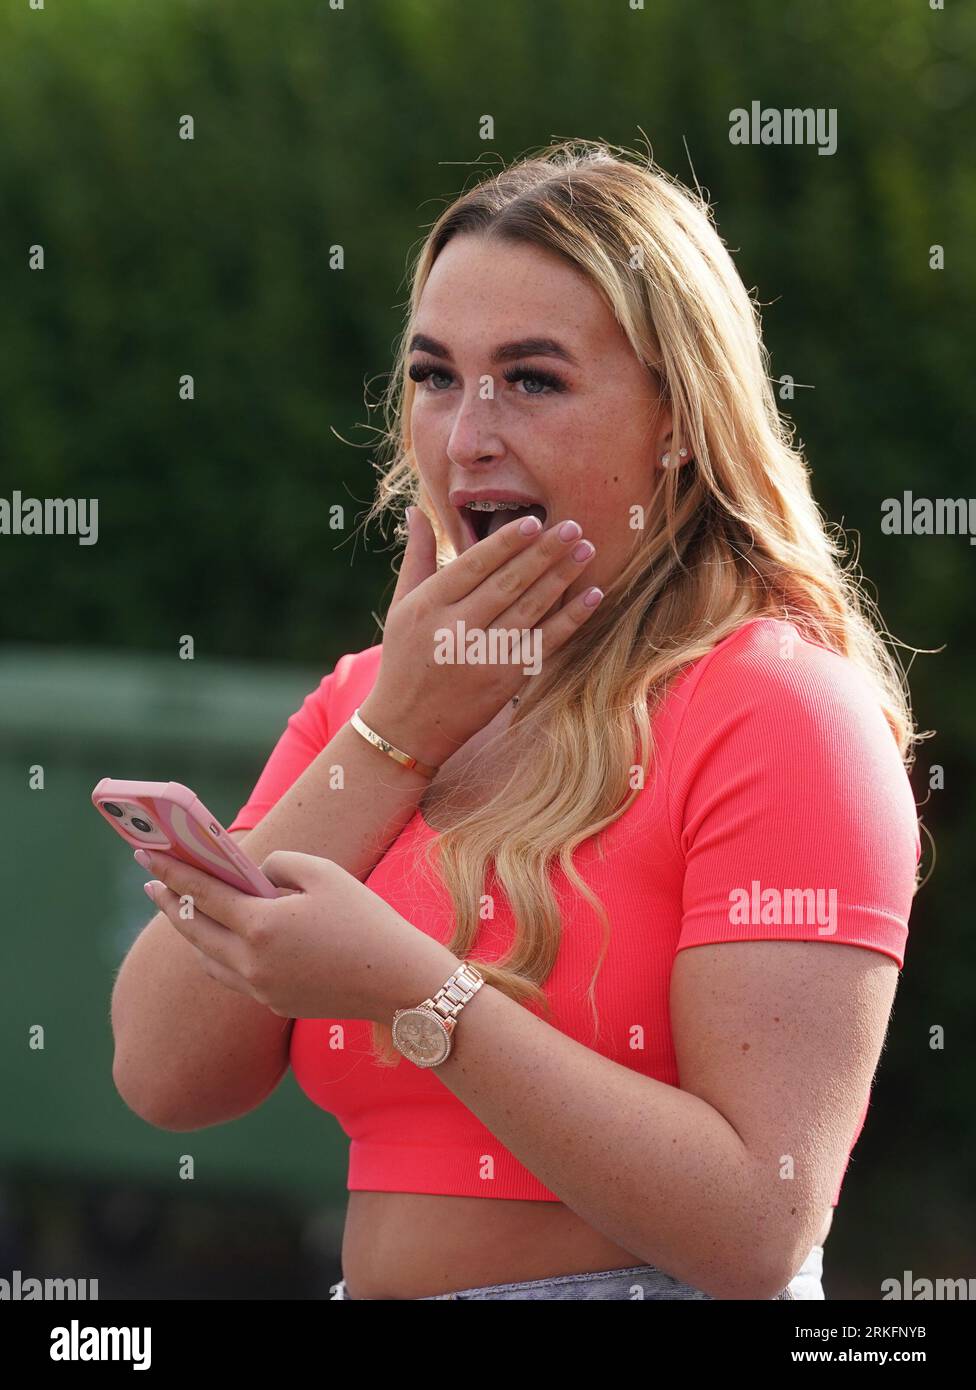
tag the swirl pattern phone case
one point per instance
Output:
(168, 816)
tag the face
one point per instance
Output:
(573, 424)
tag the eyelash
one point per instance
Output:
(420, 371)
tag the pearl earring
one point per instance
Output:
(666, 458)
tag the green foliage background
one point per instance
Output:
(317, 126)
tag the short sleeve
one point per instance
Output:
(789, 800)
(305, 735)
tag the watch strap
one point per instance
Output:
(459, 990)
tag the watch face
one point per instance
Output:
(421, 1037)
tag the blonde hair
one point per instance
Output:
(737, 534)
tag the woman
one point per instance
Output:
(643, 841)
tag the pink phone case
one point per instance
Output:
(179, 824)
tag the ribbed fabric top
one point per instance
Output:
(776, 769)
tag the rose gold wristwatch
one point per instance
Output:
(423, 1034)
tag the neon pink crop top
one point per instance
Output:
(776, 766)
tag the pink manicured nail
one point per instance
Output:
(141, 858)
(583, 551)
(530, 525)
(147, 888)
(570, 531)
(592, 597)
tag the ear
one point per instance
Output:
(662, 435)
(666, 456)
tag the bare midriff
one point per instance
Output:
(411, 1245)
(404, 1245)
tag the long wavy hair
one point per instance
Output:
(734, 534)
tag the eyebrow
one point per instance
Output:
(506, 352)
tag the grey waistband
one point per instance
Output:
(634, 1283)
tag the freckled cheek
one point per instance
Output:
(422, 428)
(607, 529)
(607, 519)
(429, 438)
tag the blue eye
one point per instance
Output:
(420, 371)
(548, 381)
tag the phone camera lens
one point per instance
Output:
(142, 825)
(112, 809)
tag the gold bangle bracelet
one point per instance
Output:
(384, 746)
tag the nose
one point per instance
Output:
(474, 437)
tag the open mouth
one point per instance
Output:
(480, 520)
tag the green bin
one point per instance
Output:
(74, 904)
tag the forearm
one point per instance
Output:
(654, 1168)
(349, 804)
(190, 1052)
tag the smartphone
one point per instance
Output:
(167, 816)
